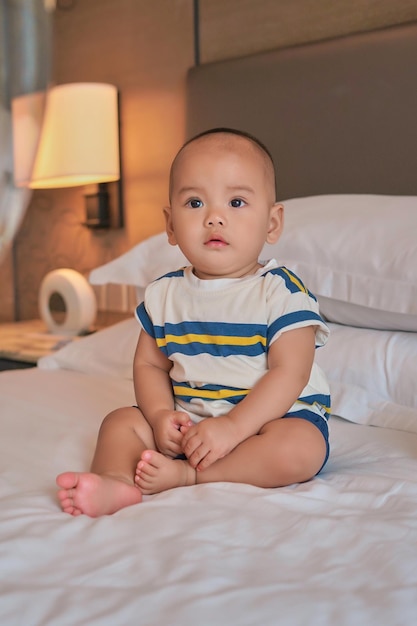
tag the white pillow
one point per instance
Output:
(372, 373)
(144, 263)
(372, 376)
(356, 315)
(108, 352)
(356, 253)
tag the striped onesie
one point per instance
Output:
(217, 334)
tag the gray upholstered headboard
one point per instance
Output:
(339, 116)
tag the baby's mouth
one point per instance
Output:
(216, 240)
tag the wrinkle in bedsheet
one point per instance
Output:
(341, 549)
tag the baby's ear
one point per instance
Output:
(276, 223)
(168, 225)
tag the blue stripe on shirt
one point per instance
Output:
(175, 273)
(292, 282)
(292, 318)
(320, 400)
(215, 329)
(144, 319)
(214, 338)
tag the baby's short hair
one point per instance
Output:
(231, 131)
(219, 130)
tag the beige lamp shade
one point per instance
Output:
(79, 143)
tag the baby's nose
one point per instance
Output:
(215, 218)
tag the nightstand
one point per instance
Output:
(9, 364)
(23, 343)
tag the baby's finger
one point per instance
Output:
(190, 442)
(182, 419)
(198, 455)
(173, 449)
(190, 432)
(205, 462)
(176, 438)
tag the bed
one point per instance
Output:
(340, 549)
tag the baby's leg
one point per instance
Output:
(286, 451)
(110, 486)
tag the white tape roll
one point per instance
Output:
(79, 299)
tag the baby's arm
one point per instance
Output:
(154, 395)
(290, 360)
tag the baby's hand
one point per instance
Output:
(167, 431)
(209, 440)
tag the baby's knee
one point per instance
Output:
(301, 463)
(128, 416)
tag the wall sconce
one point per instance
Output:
(79, 144)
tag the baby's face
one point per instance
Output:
(222, 206)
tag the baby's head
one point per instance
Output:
(229, 138)
(222, 202)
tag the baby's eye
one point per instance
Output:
(194, 203)
(237, 203)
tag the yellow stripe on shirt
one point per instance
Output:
(294, 280)
(209, 394)
(211, 339)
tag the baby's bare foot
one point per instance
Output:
(94, 494)
(155, 472)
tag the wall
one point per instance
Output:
(146, 47)
(6, 289)
(233, 28)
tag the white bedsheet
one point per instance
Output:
(339, 550)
